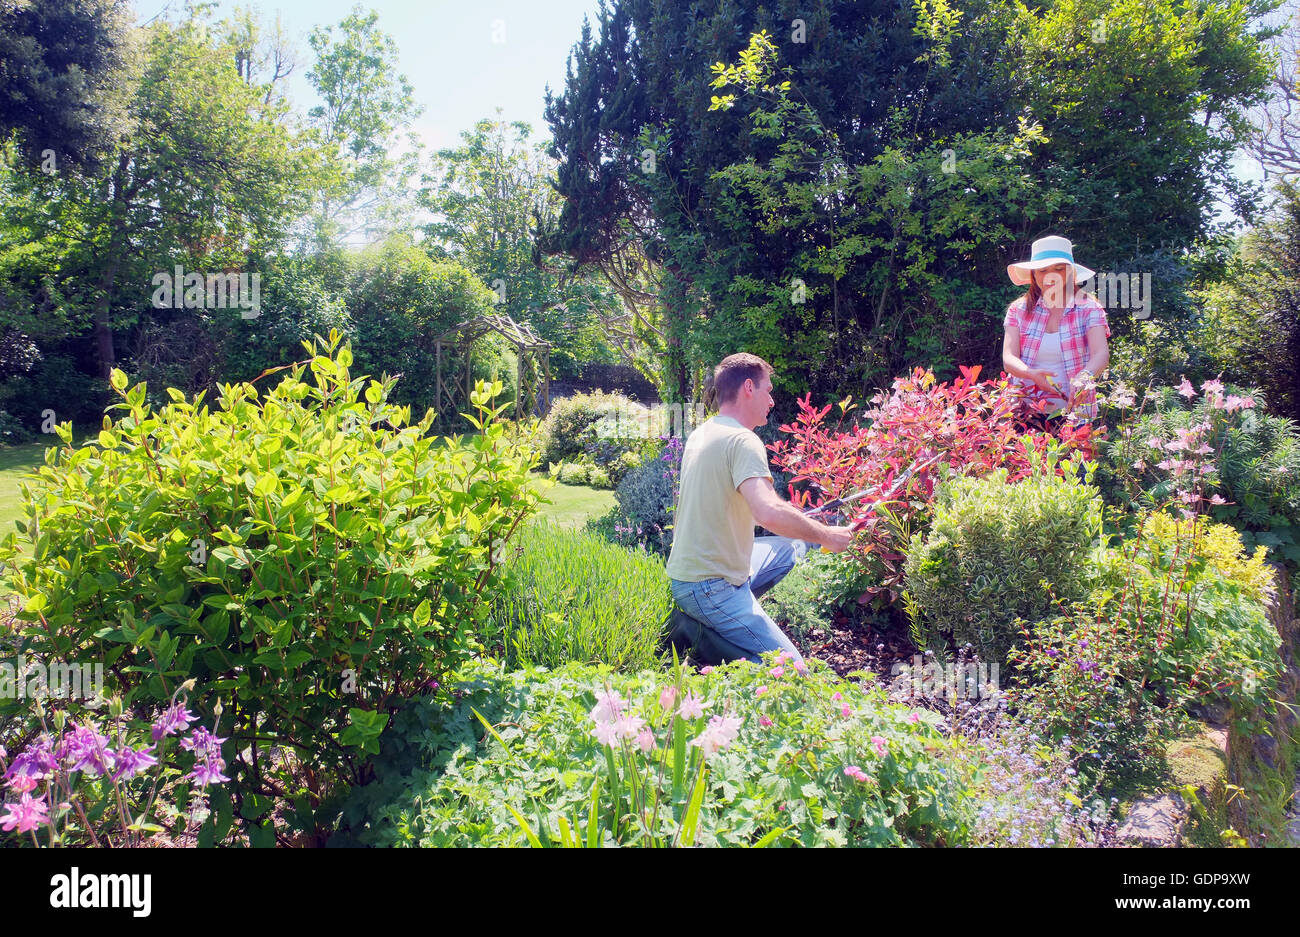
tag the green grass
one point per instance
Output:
(573, 505)
(16, 461)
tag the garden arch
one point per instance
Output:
(531, 388)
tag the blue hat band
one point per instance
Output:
(1044, 255)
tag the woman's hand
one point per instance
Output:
(1045, 380)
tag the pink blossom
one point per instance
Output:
(837, 696)
(1140, 465)
(914, 717)
(692, 707)
(1217, 499)
(1154, 442)
(764, 722)
(1212, 387)
(880, 744)
(1186, 389)
(778, 672)
(629, 727)
(761, 690)
(606, 733)
(646, 739)
(720, 732)
(609, 707)
(704, 670)
(1203, 449)
(667, 696)
(846, 712)
(800, 667)
(27, 814)
(855, 773)
(1176, 445)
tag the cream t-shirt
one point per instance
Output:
(713, 529)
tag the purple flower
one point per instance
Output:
(133, 761)
(35, 764)
(203, 743)
(205, 773)
(176, 718)
(86, 750)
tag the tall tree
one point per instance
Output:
(63, 67)
(366, 105)
(489, 198)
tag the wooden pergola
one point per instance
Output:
(530, 387)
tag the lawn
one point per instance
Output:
(573, 505)
(16, 461)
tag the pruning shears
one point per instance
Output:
(899, 481)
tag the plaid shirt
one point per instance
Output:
(1077, 319)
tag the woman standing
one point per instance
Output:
(1055, 335)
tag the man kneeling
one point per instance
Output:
(717, 567)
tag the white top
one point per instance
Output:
(1051, 359)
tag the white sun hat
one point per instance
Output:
(1047, 252)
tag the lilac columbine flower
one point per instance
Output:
(176, 718)
(208, 772)
(35, 764)
(26, 815)
(86, 750)
(133, 761)
(203, 743)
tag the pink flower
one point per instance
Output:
(778, 672)
(764, 722)
(706, 670)
(720, 732)
(1203, 449)
(1140, 465)
(609, 707)
(646, 739)
(846, 712)
(606, 733)
(1154, 442)
(837, 696)
(800, 667)
(27, 814)
(761, 690)
(629, 727)
(855, 773)
(1186, 389)
(914, 717)
(667, 696)
(692, 707)
(1217, 499)
(1212, 387)
(880, 744)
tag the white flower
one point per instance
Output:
(609, 707)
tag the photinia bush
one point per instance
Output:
(308, 558)
(972, 428)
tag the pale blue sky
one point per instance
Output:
(447, 51)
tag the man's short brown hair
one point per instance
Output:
(734, 370)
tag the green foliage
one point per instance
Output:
(64, 68)
(599, 437)
(993, 551)
(442, 780)
(646, 497)
(1254, 467)
(1177, 618)
(310, 558)
(845, 206)
(573, 596)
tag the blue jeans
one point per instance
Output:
(733, 613)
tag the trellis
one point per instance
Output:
(535, 389)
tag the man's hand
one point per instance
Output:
(785, 520)
(838, 539)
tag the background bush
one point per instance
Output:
(645, 499)
(808, 596)
(309, 559)
(990, 548)
(572, 596)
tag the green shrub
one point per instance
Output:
(574, 473)
(443, 780)
(14, 432)
(992, 547)
(309, 559)
(571, 423)
(574, 596)
(646, 497)
(1174, 621)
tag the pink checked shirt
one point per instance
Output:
(1075, 322)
